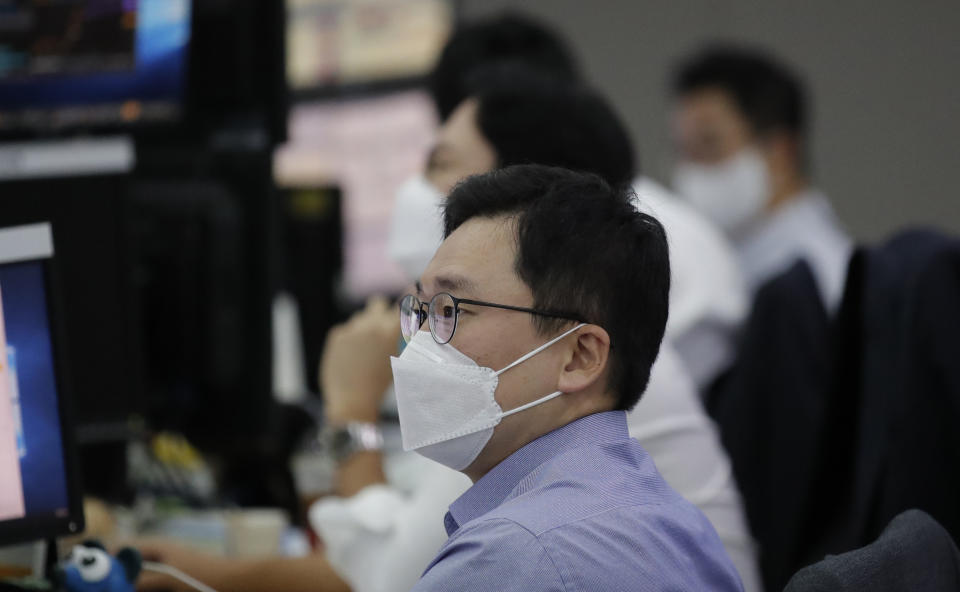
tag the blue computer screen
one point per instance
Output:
(92, 61)
(31, 394)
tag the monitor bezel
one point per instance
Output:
(33, 528)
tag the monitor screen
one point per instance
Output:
(91, 63)
(367, 147)
(334, 42)
(35, 488)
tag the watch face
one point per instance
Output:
(341, 441)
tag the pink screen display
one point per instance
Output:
(368, 147)
(11, 484)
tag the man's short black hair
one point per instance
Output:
(768, 94)
(508, 36)
(584, 248)
(533, 117)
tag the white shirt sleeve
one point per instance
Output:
(708, 298)
(383, 538)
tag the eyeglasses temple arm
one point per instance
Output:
(556, 315)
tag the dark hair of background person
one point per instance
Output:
(582, 247)
(506, 36)
(533, 117)
(768, 94)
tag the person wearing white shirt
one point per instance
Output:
(740, 129)
(708, 299)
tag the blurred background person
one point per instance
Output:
(708, 299)
(509, 36)
(740, 126)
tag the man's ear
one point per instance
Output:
(783, 152)
(587, 360)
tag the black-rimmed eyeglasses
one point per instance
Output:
(444, 309)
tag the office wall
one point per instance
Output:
(884, 75)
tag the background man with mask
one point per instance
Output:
(740, 127)
(708, 302)
(542, 313)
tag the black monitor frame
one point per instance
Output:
(33, 528)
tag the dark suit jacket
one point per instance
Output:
(913, 554)
(770, 409)
(908, 450)
(836, 426)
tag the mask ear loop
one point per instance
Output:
(553, 395)
(523, 359)
(414, 345)
(503, 414)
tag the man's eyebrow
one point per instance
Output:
(455, 284)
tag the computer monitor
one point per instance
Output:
(368, 146)
(89, 64)
(39, 494)
(337, 43)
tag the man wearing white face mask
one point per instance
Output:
(531, 332)
(740, 128)
(513, 118)
(386, 525)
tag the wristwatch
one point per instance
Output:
(342, 441)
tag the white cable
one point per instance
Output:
(177, 574)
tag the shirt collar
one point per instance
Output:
(805, 227)
(495, 487)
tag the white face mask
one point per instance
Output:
(731, 194)
(416, 229)
(445, 400)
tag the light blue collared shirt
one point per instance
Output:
(581, 508)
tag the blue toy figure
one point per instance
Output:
(89, 568)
